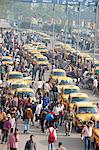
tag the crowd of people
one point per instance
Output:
(47, 112)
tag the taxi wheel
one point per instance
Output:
(95, 145)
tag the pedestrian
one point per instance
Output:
(95, 86)
(52, 136)
(45, 100)
(60, 146)
(28, 116)
(68, 121)
(85, 135)
(6, 129)
(2, 118)
(30, 145)
(42, 119)
(13, 139)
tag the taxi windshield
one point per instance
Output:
(64, 82)
(15, 86)
(91, 110)
(25, 94)
(7, 59)
(42, 59)
(79, 99)
(15, 76)
(41, 48)
(69, 91)
(97, 124)
(58, 73)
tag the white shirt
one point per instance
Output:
(95, 83)
(38, 109)
(90, 131)
(85, 132)
(47, 87)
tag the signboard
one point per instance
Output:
(59, 1)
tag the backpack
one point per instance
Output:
(51, 138)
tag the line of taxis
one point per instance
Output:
(17, 82)
(68, 49)
(83, 108)
(36, 53)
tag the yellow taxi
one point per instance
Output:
(42, 60)
(26, 92)
(96, 62)
(27, 81)
(66, 80)
(46, 39)
(77, 97)
(13, 86)
(95, 131)
(58, 47)
(66, 91)
(35, 44)
(83, 111)
(14, 76)
(97, 70)
(42, 49)
(39, 59)
(7, 60)
(58, 74)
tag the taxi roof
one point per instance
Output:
(18, 82)
(96, 116)
(70, 87)
(58, 70)
(6, 57)
(96, 62)
(97, 67)
(38, 55)
(24, 90)
(78, 95)
(85, 104)
(15, 72)
(66, 78)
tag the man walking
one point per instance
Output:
(30, 145)
(68, 121)
(28, 116)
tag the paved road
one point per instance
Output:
(72, 142)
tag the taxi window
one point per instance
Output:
(7, 60)
(69, 91)
(25, 94)
(15, 76)
(42, 59)
(97, 124)
(79, 99)
(64, 82)
(87, 110)
(15, 86)
(58, 73)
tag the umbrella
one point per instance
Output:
(49, 117)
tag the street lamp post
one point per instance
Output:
(66, 25)
(78, 36)
(53, 36)
(96, 27)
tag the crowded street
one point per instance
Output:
(49, 83)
